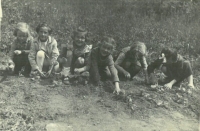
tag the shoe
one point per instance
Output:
(35, 74)
(66, 81)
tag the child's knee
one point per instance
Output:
(164, 69)
(56, 67)
(79, 62)
(40, 54)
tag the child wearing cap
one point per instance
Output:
(102, 64)
(174, 66)
(44, 52)
(131, 60)
(20, 49)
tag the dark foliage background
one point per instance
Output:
(158, 23)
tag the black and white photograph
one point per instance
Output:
(99, 65)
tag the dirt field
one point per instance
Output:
(38, 105)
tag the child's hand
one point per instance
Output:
(77, 70)
(17, 52)
(81, 60)
(168, 85)
(127, 75)
(191, 86)
(41, 73)
(117, 89)
(11, 67)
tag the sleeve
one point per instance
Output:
(27, 50)
(94, 70)
(184, 70)
(144, 62)
(32, 57)
(63, 51)
(87, 57)
(119, 61)
(11, 53)
(113, 70)
(55, 52)
(72, 65)
(88, 65)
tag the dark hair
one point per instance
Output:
(170, 53)
(79, 30)
(43, 24)
(108, 40)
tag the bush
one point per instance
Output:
(158, 23)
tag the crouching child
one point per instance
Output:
(80, 58)
(44, 52)
(174, 66)
(20, 49)
(102, 64)
(131, 60)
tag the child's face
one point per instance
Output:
(43, 34)
(21, 36)
(106, 49)
(79, 40)
(134, 55)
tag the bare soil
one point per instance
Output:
(38, 105)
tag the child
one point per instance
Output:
(44, 52)
(174, 66)
(102, 64)
(131, 59)
(20, 49)
(80, 54)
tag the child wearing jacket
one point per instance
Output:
(44, 52)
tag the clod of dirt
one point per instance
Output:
(152, 79)
(133, 107)
(159, 102)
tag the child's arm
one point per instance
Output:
(117, 88)
(32, 57)
(94, 69)
(145, 65)
(146, 76)
(118, 62)
(87, 64)
(72, 63)
(190, 81)
(115, 78)
(170, 84)
(55, 52)
(114, 75)
(11, 53)
(80, 70)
